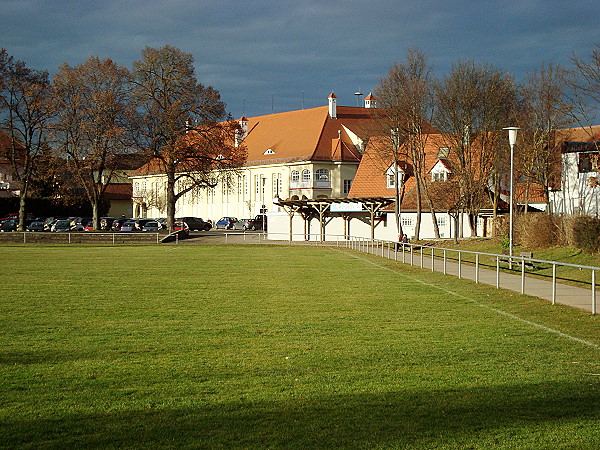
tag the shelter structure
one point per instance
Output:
(327, 208)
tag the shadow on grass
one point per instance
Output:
(535, 415)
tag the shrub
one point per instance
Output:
(537, 230)
(586, 234)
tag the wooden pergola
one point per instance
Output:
(321, 208)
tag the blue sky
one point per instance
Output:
(266, 55)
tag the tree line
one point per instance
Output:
(74, 127)
(469, 107)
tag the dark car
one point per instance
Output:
(9, 225)
(195, 223)
(61, 225)
(259, 222)
(106, 222)
(151, 225)
(36, 225)
(226, 223)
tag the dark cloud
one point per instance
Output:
(270, 55)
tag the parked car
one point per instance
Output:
(106, 222)
(79, 223)
(243, 224)
(227, 223)
(9, 225)
(181, 226)
(128, 226)
(195, 223)
(61, 225)
(117, 223)
(259, 222)
(36, 225)
(151, 225)
(139, 224)
(89, 226)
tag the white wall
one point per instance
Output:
(359, 226)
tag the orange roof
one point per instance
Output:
(370, 179)
(305, 135)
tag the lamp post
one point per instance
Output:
(512, 139)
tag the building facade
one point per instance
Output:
(312, 153)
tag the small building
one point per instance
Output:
(579, 188)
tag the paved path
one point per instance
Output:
(576, 297)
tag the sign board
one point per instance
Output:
(346, 207)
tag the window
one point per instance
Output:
(441, 221)
(391, 178)
(295, 181)
(407, 221)
(588, 162)
(306, 176)
(438, 176)
(347, 186)
(322, 175)
(269, 152)
(443, 152)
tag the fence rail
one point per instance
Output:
(80, 238)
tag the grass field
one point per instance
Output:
(279, 347)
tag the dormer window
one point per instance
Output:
(443, 153)
(219, 157)
(440, 172)
(391, 177)
(269, 152)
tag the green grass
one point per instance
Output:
(279, 347)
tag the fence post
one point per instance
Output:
(522, 276)
(497, 272)
(459, 264)
(593, 291)
(553, 284)
(432, 260)
(476, 267)
(444, 261)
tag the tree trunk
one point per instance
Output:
(171, 200)
(22, 202)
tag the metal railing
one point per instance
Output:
(431, 257)
(80, 237)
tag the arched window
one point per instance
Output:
(306, 175)
(295, 175)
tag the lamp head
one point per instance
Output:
(512, 135)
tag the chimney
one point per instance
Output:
(370, 101)
(332, 106)
(242, 131)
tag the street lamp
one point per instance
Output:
(512, 139)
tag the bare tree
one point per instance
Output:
(25, 104)
(406, 106)
(545, 111)
(473, 103)
(179, 125)
(584, 83)
(93, 105)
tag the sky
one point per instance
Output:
(267, 56)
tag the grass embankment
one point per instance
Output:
(565, 254)
(250, 346)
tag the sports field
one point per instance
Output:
(282, 347)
